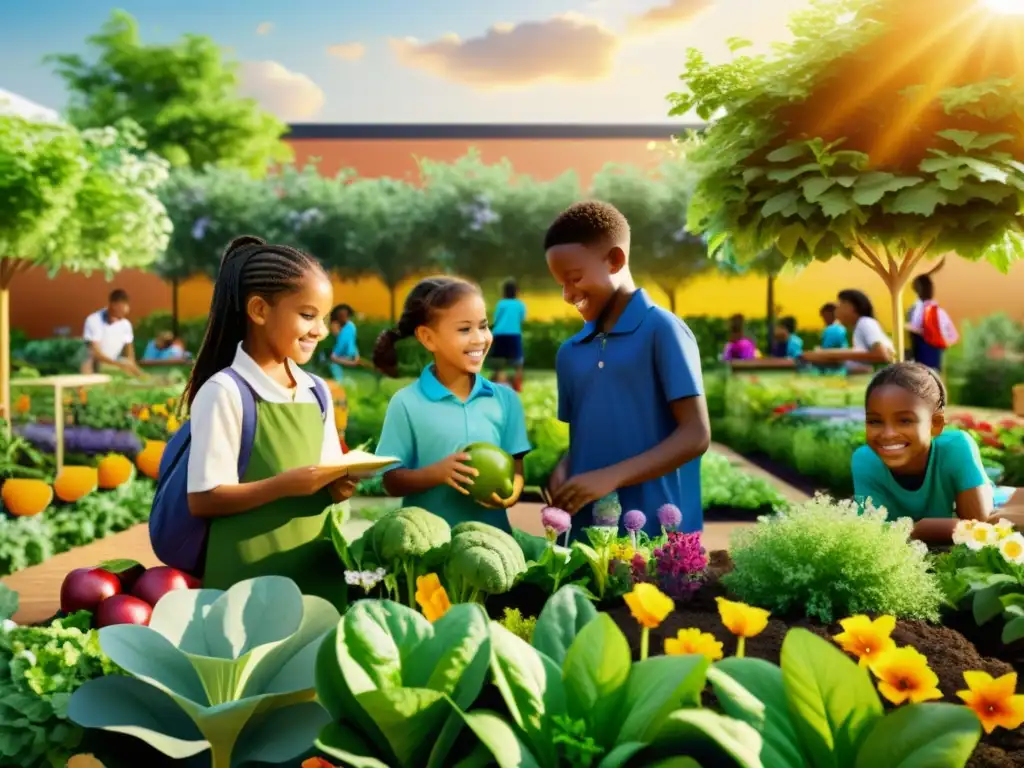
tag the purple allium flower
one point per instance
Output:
(555, 520)
(669, 516)
(634, 520)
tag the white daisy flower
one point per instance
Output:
(962, 532)
(981, 535)
(1012, 548)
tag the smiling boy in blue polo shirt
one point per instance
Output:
(629, 383)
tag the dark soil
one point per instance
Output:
(949, 652)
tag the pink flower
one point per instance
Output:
(555, 520)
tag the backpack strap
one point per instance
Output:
(249, 401)
(323, 397)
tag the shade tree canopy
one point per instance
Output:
(184, 94)
(887, 131)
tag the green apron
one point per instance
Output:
(284, 537)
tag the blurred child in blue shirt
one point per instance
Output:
(507, 349)
(834, 335)
(345, 352)
(787, 343)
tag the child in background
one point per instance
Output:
(910, 465)
(739, 346)
(931, 330)
(834, 334)
(871, 345)
(449, 407)
(788, 343)
(507, 349)
(345, 352)
(269, 305)
(629, 383)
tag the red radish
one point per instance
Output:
(157, 582)
(85, 588)
(123, 609)
(193, 582)
(130, 576)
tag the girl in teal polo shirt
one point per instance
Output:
(450, 406)
(910, 465)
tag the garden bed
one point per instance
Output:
(949, 652)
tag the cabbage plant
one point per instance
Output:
(231, 671)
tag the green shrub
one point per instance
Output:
(825, 559)
(975, 378)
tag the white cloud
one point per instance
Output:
(667, 15)
(347, 51)
(567, 48)
(264, 28)
(291, 96)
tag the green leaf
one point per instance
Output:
(711, 738)
(126, 705)
(622, 754)
(969, 140)
(832, 700)
(986, 604)
(153, 659)
(788, 174)
(921, 736)
(560, 620)
(872, 187)
(763, 681)
(8, 602)
(752, 174)
(738, 44)
(595, 672)
(921, 200)
(500, 738)
(780, 202)
(835, 202)
(339, 741)
(531, 685)
(656, 687)
(789, 152)
(816, 187)
(280, 734)
(1013, 630)
(119, 566)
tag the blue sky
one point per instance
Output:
(418, 60)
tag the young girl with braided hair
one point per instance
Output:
(269, 307)
(451, 405)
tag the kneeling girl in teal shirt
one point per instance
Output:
(450, 406)
(910, 465)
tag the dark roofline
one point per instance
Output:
(652, 132)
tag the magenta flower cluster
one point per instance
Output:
(679, 564)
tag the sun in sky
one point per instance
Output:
(1006, 6)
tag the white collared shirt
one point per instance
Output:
(216, 419)
(111, 338)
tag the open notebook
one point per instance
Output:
(363, 464)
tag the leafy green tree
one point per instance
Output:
(73, 200)
(487, 221)
(887, 131)
(384, 230)
(662, 251)
(184, 95)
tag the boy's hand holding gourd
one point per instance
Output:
(455, 472)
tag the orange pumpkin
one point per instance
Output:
(73, 483)
(23, 497)
(148, 460)
(114, 470)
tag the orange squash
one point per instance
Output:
(114, 470)
(148, 460)
(23, 497)
(73, 483)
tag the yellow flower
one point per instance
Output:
(866, 639)
(1012, 548)
(623, 552)
(904, 675)
(994, 701)
(431, 597)
(144, 414)
(172, 424)
(649, 605)
(159, 409)
(1004, 528)
(693, 641)
(981, 535)
(741, 619)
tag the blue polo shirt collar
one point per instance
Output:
(434, 390)
(634, 313)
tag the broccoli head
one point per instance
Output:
(483, 560)
(410, 540)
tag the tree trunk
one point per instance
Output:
(898, 332)
(174, 306)
(5, 354)
(770, 316)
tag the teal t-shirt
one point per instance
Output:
(794, 346)
(834, 337)
(508, 318)
(954, 466)
(425, 423)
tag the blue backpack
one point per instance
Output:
(178, 538)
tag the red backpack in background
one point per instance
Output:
(937, 328)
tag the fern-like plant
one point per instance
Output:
(828, 560)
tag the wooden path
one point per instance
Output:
(39, 586)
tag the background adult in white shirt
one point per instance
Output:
(871, 345)
(108, 337)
